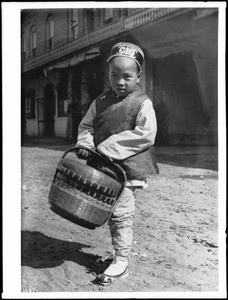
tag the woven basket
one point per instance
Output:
(84, 195)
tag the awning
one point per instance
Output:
(73, 60)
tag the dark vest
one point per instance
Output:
(114, 116)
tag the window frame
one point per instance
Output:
(50, 32)
(74, 23)
(108, 14)
(23, 46)
(33, 41)
(89, 18)
(30, 100)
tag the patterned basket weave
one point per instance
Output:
(82, 194)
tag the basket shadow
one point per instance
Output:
(41, 251)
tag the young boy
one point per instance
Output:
(121, 125)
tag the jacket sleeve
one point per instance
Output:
(129, 142)
(86, 128)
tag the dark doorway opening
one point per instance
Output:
(23, 115)
(49, 110)
(76, 101)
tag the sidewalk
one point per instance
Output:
(53, 143)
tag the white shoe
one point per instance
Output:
(118, 269)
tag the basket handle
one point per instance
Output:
(94, 153)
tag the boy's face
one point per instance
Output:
(123, 75)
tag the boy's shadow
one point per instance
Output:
(41, 251)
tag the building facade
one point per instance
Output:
(63, 60)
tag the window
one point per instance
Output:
(33, 41)
(108, 15)
(74, 23)
(123, 12)
(63, 93)
(30, 104)
(50, 32)
(89, 20)
(23, 46)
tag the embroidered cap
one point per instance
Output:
(127, 50)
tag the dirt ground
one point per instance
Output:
(175, 231)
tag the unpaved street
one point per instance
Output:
(176, 228)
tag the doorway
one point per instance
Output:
(92, 82)
(49, 110)
(23, 114)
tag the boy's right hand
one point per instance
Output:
(83, 153)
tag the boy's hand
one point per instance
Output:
(83, 153)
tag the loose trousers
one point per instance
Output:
(121, 222)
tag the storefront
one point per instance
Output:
(55, 98)
(179, 76)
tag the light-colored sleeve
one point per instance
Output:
(129, 142)
(86, 128)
